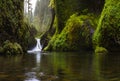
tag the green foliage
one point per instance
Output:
(108, 31)
(74, 36)
(12, 25)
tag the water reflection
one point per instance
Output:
(59, 66)
(107, 67)
(38, 58)
(72, 66)
(32, 74)
(82, 66)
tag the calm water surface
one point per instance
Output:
(56, 66)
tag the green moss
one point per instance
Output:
(10, 48)
(74, 36)
(65, 8)
(101, 50)
(108, 31)
(12, 25)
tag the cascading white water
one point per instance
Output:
(38, 45)
(37, 48)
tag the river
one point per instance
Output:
(60, 66)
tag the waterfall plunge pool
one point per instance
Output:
(61, 66)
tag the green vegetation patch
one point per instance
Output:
(107, 33)
(75, 36)
(101, 50)
(10, 48)
(12, 25)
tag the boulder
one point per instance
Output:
(10, 48)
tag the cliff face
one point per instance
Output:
(75, 36)
(65, 24)
(11, 18)
(12, 25)
(65, 8)
(108, 31)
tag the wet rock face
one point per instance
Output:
(63, 10)
(108, 31)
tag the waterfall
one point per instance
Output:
(38, 45)
(39, 14)
(37, 48)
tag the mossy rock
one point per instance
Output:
(65, 8)
(76, 35)
(10, 48)
(101, 50)
(107, 33)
